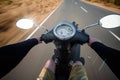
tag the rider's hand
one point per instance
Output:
(45, 38)
(92, 40)
(39, 40)
(77, 63)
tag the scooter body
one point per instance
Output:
(64, 51)
(67, 39)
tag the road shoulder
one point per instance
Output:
(110, 8)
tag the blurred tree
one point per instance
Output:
(117, 2)
(112, 1)
(8, 2)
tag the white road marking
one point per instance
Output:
(115, 35)
(39, 26)
(84, 9)
(38, 79)
(103, 63)
(95, 60)
(89, 57)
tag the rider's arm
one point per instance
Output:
(109, 55)
(11, 55)
(102, 50)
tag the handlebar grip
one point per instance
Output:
(80, 37)
(47, 37)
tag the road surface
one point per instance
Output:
(84, 14)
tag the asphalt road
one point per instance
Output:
(84, 14)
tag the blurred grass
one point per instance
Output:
(13, 10)
(115, 2)
(108, 3)
(6, 2)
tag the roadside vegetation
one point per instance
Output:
(113, 5)
(116, 2)
(6, 2)
(12, 10)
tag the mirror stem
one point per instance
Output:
(43, 27)
(92, 25)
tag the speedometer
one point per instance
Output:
(64, 30)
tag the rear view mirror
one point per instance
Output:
(110, 21)
(25, 23)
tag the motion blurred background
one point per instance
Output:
(38, 10)
(13, 10)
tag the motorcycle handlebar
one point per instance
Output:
(48, 37)
(80, 37)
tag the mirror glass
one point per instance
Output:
(25, 23)
(110, 21)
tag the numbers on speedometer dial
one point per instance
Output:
(64, 31)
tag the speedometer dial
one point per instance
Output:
(64, 31)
